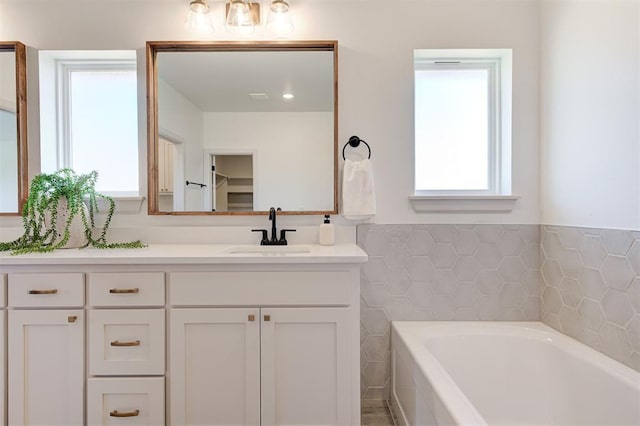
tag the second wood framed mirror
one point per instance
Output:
(239, 127)
(13, 128)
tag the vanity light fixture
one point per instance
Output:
(199, 21)
(279, 21)
(242, 16)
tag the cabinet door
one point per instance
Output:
(3, 364)
(305, 366)
(165, 170)
(46, 367)
(214, 370)
(162, 165)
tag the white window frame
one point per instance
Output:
(497, 197)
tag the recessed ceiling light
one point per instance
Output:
(287, 95)
(258, 96)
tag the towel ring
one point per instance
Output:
(354, 141)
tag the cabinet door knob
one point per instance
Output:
(121, 344)
(124, 290)
(252, 318)
(72, 318)
(52, 291)
(115, 413)
(267, 317)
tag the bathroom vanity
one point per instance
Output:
(183, 334)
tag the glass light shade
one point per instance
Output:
(279, 21)
(239, 20)
(199, 21)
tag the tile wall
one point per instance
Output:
(591, 288)
(441, 272)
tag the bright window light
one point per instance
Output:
(452, 129)
(104, 128)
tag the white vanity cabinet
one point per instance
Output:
(46, 349)
(288, 359)
(182, 335)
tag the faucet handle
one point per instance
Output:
(283, 238)
(265, 238)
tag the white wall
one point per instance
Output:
(375, 76)
(590, 113)
(182, 122)
(8, 81)
(299, 155)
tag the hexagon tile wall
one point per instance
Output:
(441, 272)
(583, 282)
(591, 288)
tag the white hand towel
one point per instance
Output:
(358, 191)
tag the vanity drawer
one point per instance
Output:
(126, 289)
(126, 342)
(46, 290)
(261, 288)
(131, 401)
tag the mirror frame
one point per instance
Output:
(21, 121)
(154, 47)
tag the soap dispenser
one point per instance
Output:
(327, 233)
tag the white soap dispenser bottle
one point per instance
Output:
(327, 233)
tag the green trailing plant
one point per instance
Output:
(40, 213)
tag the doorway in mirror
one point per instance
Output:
(233, 177)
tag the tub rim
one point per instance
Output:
(413, 334)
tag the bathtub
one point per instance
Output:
(505, 373)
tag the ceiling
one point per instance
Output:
(222, 81)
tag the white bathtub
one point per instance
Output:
(505, 373)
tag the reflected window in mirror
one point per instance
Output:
(13, 128)
(272, 105)
(89, 116)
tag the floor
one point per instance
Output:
(376, 413)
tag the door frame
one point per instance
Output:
(206, 175)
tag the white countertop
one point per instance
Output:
(194, 254)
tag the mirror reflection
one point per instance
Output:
(236, 128)
(13, 144)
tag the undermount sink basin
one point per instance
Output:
(281, 250)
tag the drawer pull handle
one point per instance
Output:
(252, 318)
(53, 291)
(267, 317)
(120, 344)
(115, 413)
(72, 318)
(124, 290)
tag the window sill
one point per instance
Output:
(463, 203)
(124, 205)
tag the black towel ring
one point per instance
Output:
(354, 141)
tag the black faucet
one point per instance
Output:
(272, 218)
(274, 241)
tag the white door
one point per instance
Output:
(214, 370)
(305, 367)
(46, 367)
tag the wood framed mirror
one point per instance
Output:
(235, 128)
(13, 128)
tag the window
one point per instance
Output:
(462, 122)
(94, 95)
